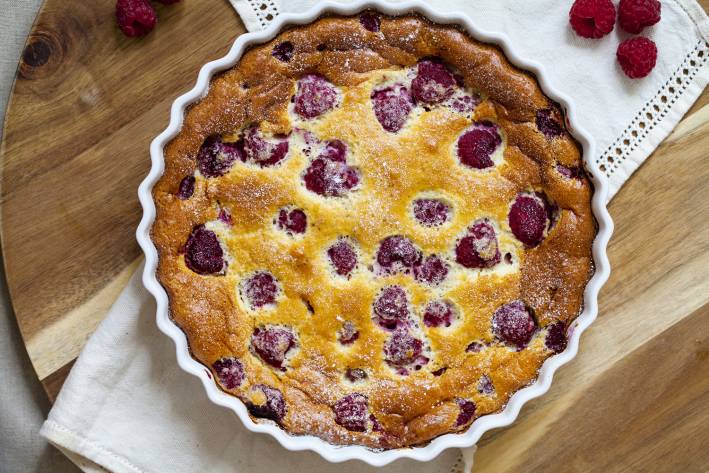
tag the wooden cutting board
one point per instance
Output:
(86, 103)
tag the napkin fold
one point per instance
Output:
(127, 406)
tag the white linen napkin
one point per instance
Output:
(128, 407)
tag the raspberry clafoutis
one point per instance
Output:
(374, 230)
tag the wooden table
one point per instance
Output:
(86, 104)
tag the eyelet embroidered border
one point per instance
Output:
(266, 10)
(654, 110)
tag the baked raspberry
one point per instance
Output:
(351, 412)
(392, 106)
(432, 270)
(513, 324)
(479, 248)
(467, 412)
(186, 188)
(528, 219)
(477, 145)
(261, 151)
(314, 96)
(343, 257)
(292, 220)
(465, 103)
(398, 253)
(370, 21)
(203, 253)
(431, 212)
(474, 347)
(348, 334)
(329, 175)
(334, 150)
(267, 403)
(439, 371)
(402, 350)
(135, 17)
(634, 15)
(230, 372)
(272, 344)
(433, 83)
(438, 313)
(637, 56)
(355, 374)
(485, 385)
(260, 289)
(215, 157)
(391, 307)
(556, 337)
(574, 172)
(224, 216)
(283, 51)
(547, 124)
(592, 18)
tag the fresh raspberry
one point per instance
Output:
(135, 17)
(637, 56)
(634, 15)
(592, 18)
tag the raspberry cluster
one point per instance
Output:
(596, 18)
(137, 17)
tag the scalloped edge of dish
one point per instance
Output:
(330, 452)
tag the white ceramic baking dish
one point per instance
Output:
(481, 425)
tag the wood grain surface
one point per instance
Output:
(86, 104)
